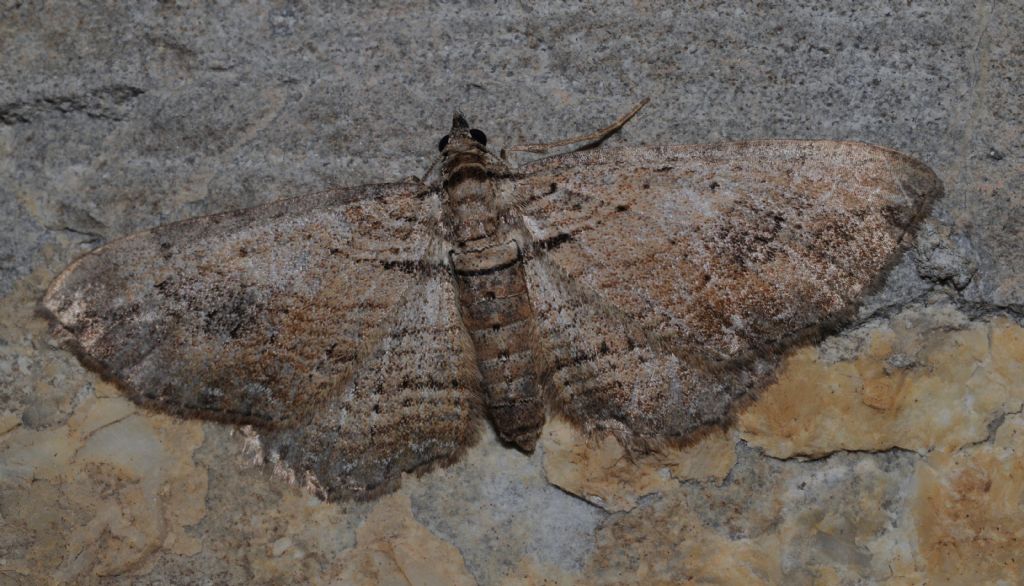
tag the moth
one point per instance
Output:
(368, 331)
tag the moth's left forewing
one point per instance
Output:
(241, 315)
(727, 249)
(326, 321)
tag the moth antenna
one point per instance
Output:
(596, 137)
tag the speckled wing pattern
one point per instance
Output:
(662, 284)
(285, 316)
(668, 281)
(410, 404)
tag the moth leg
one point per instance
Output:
(596, 137)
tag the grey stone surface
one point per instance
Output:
(116, 117)
(497, 507)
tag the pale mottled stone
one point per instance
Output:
(600, 471)
(927, 379)
(967, 510)
(393, 548)
(8, 421)
(771, 523)
(266, 530)
(531, 573)
(123, 483)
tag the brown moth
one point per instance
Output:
(368, 331)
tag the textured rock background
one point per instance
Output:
(890, 453)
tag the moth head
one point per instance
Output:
(462, 137)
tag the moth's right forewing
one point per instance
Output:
(695, 267)
(248, 315)
(727, 250)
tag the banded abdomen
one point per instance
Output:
(497, 312)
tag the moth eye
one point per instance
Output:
(478, 136)
(443, 143)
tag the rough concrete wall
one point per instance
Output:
(890, 453)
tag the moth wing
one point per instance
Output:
(724, 254)
(257, 316)
(604, 374)
(411, 404)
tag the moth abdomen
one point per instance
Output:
(496, 310)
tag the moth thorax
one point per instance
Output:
(472, 208)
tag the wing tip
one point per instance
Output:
(917, 173)
(913, 179)
(53, 299)
(922, 185)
